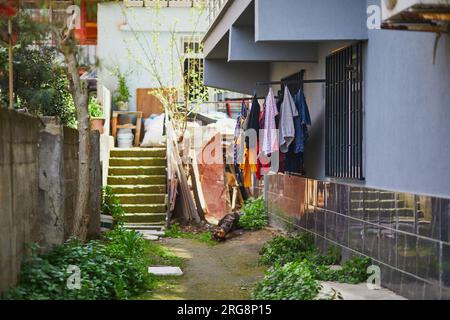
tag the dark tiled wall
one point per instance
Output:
(407, 235)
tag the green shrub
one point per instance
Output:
(174, 231)
(95, 109)
(111, 205)
(112, 269)
(298, 247)
(254, 215)
(299, 256)
(293, 281)
(287, 249)
(353, 271)
(123, 92)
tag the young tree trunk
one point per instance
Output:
(80, 97)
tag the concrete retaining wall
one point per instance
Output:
(38, 183)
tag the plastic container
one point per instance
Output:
(125, 139)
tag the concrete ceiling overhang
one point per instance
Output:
(233, 36)
(242, 47)
(223, 23)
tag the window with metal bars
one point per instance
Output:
(344, 114)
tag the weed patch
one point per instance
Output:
(254, 215)
(175, 231)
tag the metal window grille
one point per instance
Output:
(344, 114)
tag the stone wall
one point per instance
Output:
(19, 180)
(38, 183)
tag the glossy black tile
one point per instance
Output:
(356, 203)
(371, 240)
(342, 230)
(372, 206)
(445, 267)
(407, 252)
(428, 253)
(330, 225)
(410, 287)
(356, 234)
(388, 246)
(319, 221)
(331, 198)
(406, 208)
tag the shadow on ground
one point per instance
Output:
(227, 271)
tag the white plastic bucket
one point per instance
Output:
(125, 139)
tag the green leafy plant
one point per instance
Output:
(287, 249)
(254, 215)
(353, 271)
(123, 93)
(174, 231)
(115, 268)
(298, 253)
(292, 281)
(111, 205)
(95, 109)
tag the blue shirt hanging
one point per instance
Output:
(301, 123)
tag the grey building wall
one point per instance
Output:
(406, 96)
(310, 20)
(407, 112)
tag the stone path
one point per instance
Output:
(228, 271)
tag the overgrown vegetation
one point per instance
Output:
(292, 281)
(115, 268)
(111, 205)
(297, 266)
(175, 231)
(299, 247)
(40, 84)
(254, 215)
(95, 109)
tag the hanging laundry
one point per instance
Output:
(238, 131)
(253, 117)
(294, 161)
(270, 138)
(288, 111)
(248, 166)
(301, 123)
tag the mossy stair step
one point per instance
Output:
(139, 153)
(144, 208)
(137, 162)
(136, 171)
(146, 226)
(132, 180)
(142, 198)
(140, 189)
(145, 217)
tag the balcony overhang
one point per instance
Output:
(242, 47)
(248, 35)
(236, 76)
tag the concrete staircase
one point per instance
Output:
(138, 178)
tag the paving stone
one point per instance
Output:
(150, 237)
(152, 233)
(165, 271)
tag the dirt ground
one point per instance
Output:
(227, 271)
